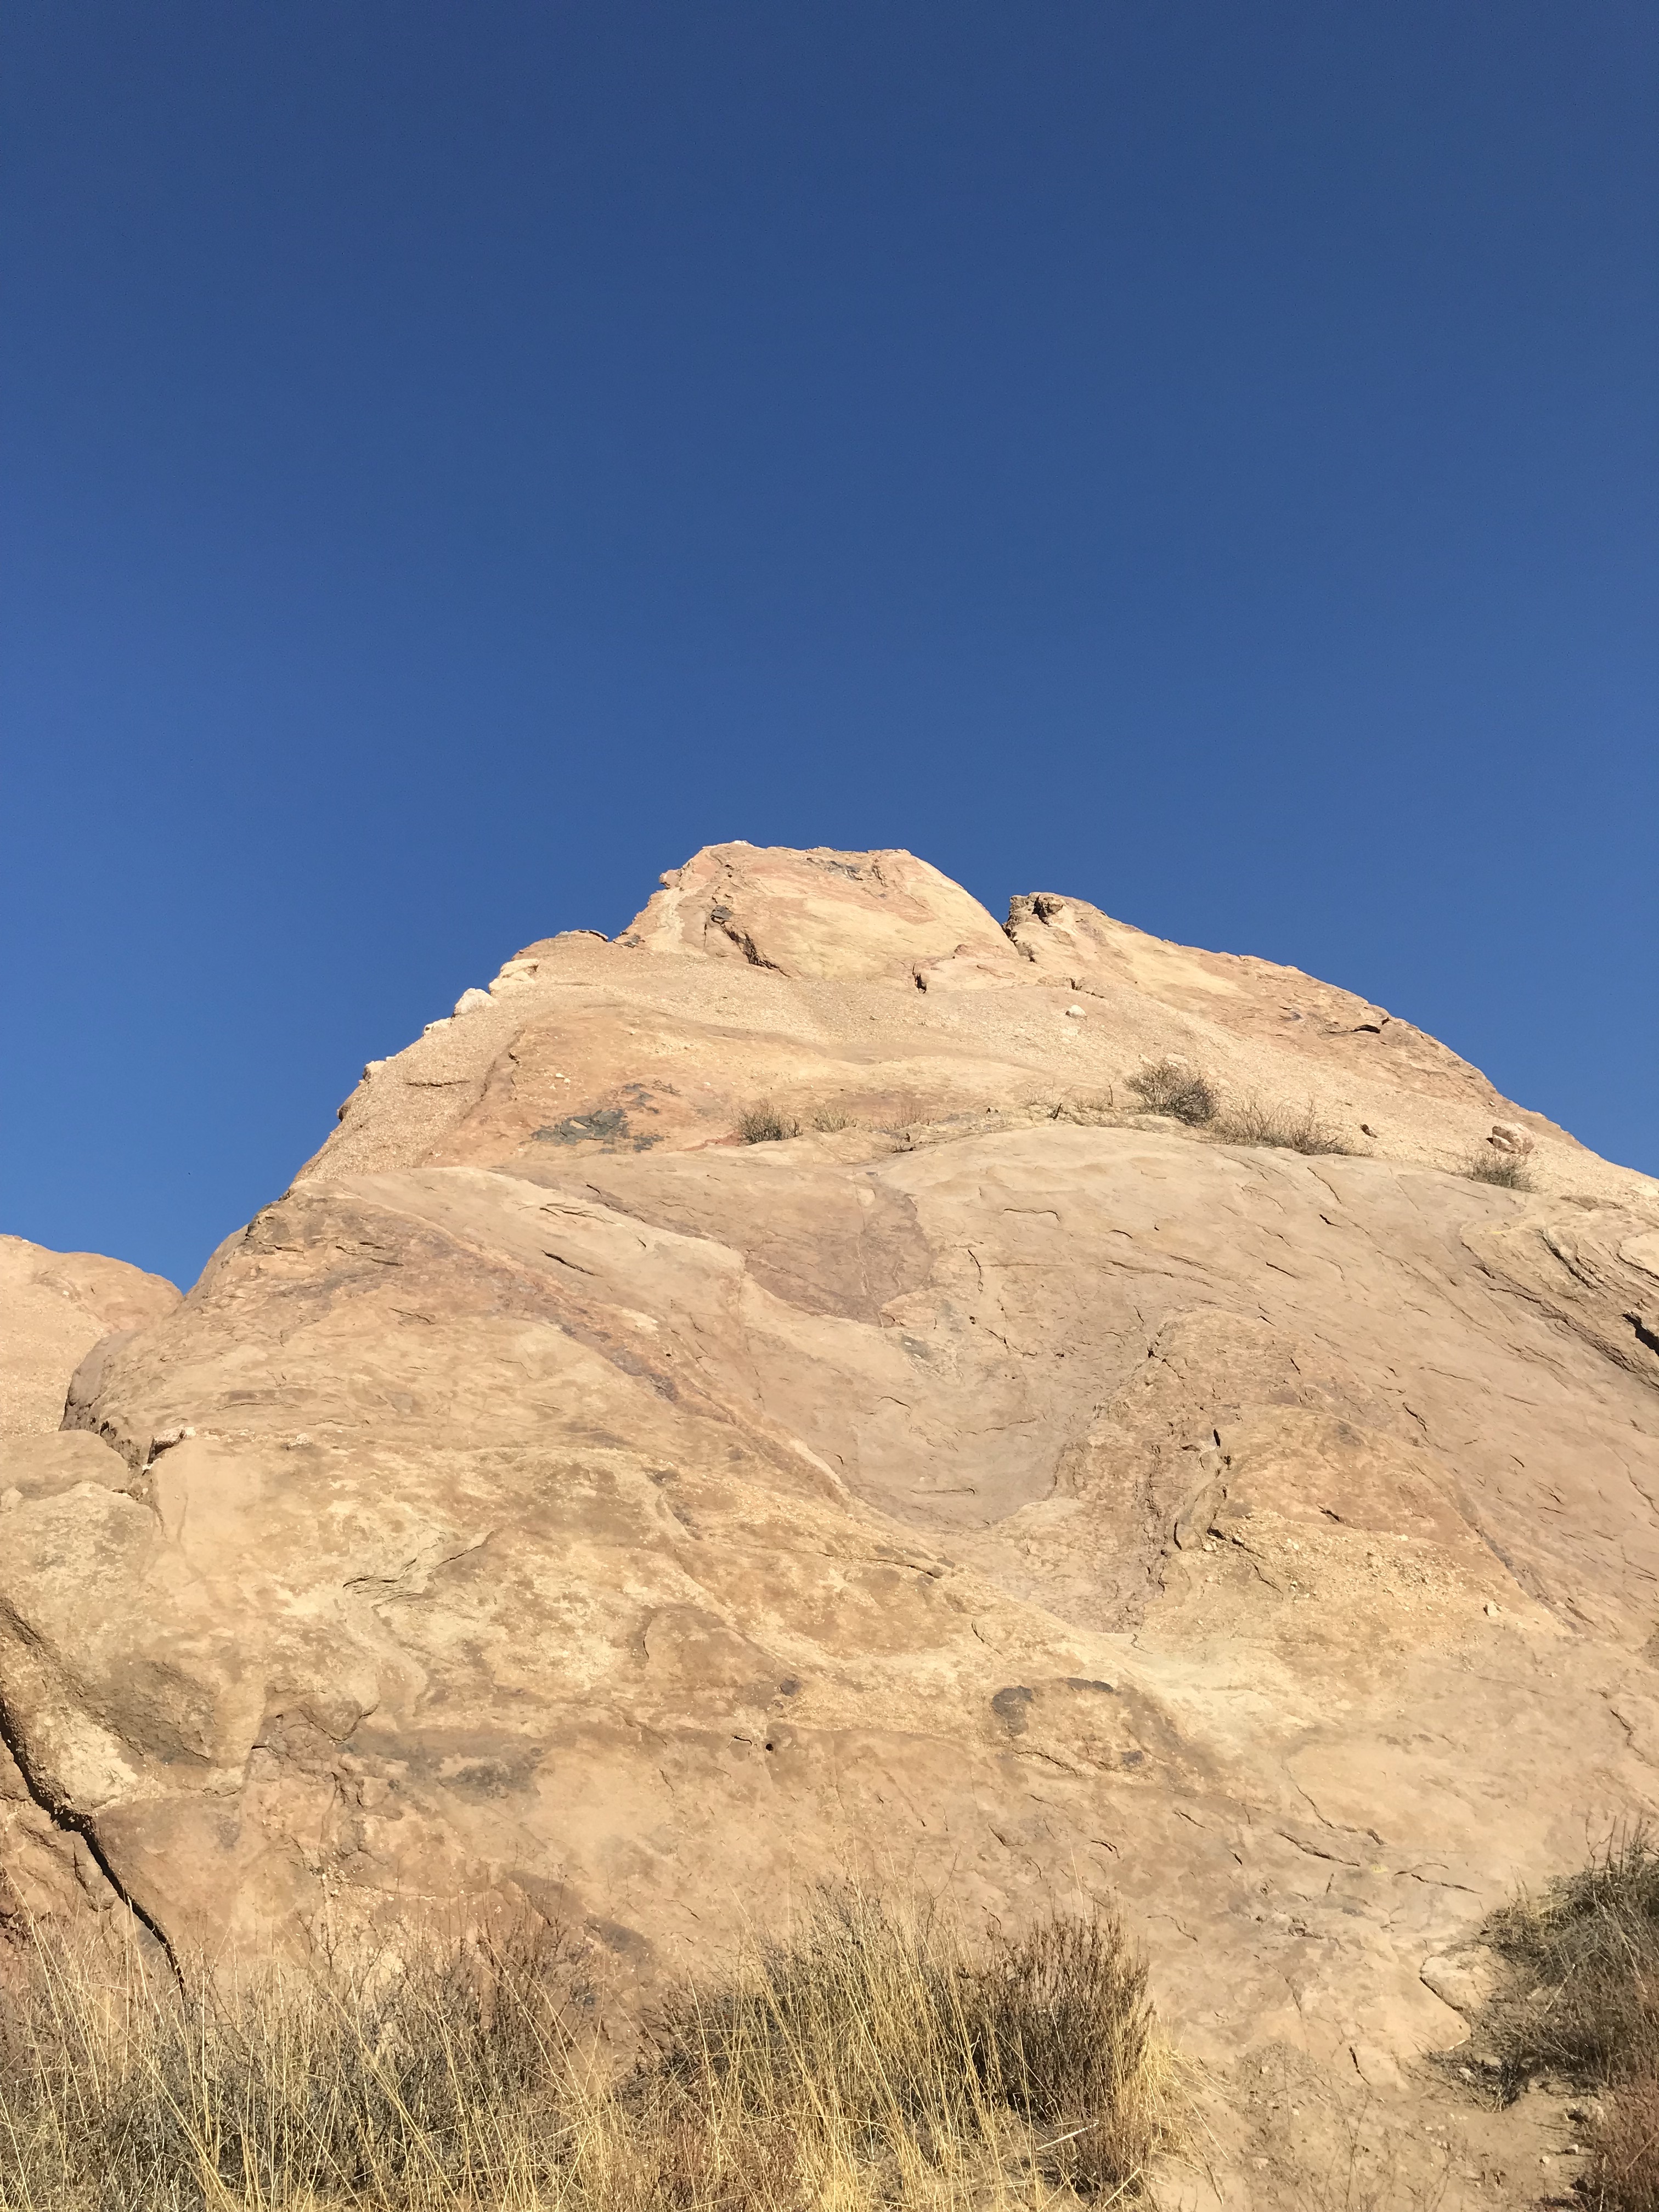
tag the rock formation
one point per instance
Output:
(54, 1307)
(993, 1483)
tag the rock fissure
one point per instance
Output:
(72, 1820)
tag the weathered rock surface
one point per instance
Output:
(993, 1483)
(54, 1307)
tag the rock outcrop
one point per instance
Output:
(54, 1308)
(994, 1482)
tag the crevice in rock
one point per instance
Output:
(71, 1823)
(722, 918)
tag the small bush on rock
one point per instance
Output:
(1288, 1128)
(1582, 1996)
(1503, 1169)
(1169, 1086)
(764, 1124)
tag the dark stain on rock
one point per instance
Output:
(1009, 1706)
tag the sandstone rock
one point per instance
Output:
(1464, 1978)
(993, 1487)
(1507, 1137)
(54, 1308)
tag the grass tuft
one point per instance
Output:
(1580, 2001)
(1291, 1129)
(1506, 1170)
(1169, 1086)
(871, 2058)
(1582, 1997)
(764, 1124)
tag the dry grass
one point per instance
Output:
(1580, 2001)
(1508, 1171)
(764, 1124)
(1169, 1086)
(872, 2058)
(1624, 2175)
(828, 1119)
(1292, 1128)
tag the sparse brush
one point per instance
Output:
(1063, 2017)
(399, 2079)
(1580, 2001)
(869, 2058)
(1507, 1170)
(1581, 1998)
(1169, 1086)
(764, 1124)
(1273, 1124)
(829, 1120)
(1624, 2145)
(883, 2028)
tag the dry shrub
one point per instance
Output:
(896, 2041)
(1506, 1170)
(1581, 1996)
(1169, 1086)
(868, 2058)
(1071, 2043)
(381, 2079)
(828, 1119)
(1624, 2143)
(764, 1124)
(1292, 1128)
(1580, 2001)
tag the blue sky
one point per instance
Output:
(459, 458)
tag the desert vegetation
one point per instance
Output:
(1301, 1128)
(1170, 1086)
(1506, 1170)
(1579, 2001)
(763, 1124)
(872, 2057)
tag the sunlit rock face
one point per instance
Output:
(979, 1480)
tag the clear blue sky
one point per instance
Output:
(459, 458)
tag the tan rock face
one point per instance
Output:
(993, 1484)
(54, 1307)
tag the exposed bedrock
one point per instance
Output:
(994, 1484)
